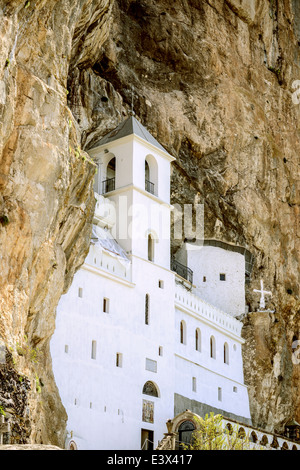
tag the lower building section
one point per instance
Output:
(182, 404)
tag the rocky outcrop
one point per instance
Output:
(214, 82)
(46, 186)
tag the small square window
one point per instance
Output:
(222, 277)
(235, 389)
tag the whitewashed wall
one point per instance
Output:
(209, 262)
(104, 402)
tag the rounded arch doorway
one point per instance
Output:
(185, 432)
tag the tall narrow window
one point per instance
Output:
(219, 393)
(194, 384)
(198, 339)
(119, 360)
(94, 349)
(150, 248)
(147, 309)
(212, 347)
(182, 332)
(106, 305)
(226, 354)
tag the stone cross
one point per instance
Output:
(4, 428)
(262, 293)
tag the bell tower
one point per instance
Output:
(134, 172)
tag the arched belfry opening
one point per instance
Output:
(151, 175)
(109, 183)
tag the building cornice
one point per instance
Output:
(108, 275)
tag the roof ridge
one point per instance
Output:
(129, 126)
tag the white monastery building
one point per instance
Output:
(141, 338)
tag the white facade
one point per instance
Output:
(211, 371)
(127, 320)
(218, 275)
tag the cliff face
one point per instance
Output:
(213, 81)
(46, 196)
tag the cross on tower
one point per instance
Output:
(263, 292)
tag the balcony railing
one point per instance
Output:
(182, 271)
(149, 186)
(108, 185)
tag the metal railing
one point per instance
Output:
(108, 185)
(149, 186)
(182, 270)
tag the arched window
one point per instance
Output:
(150, 389)
(182, 332)
(151, 174)
(151, 242)
(212, 347)
(72, 445)
(253, 437)
(109, 183)
(147, 309)
(226, 354)
(111, 168)
(198, 339)
(274, 443)
(229, 429)
(264, 440)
